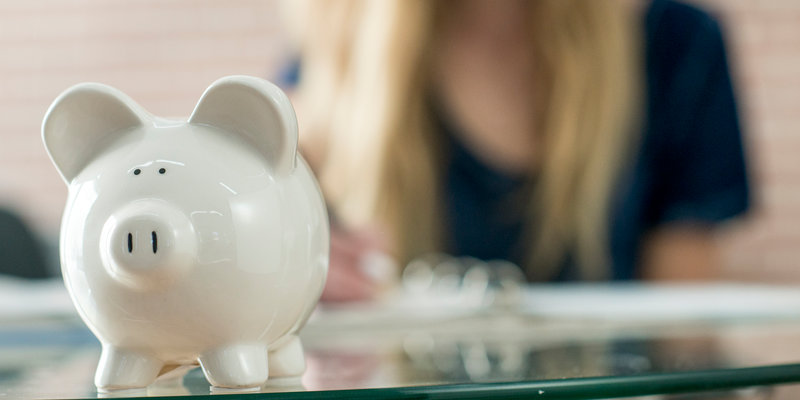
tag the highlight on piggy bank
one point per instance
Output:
(189, 241)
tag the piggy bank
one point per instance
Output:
(184, 241)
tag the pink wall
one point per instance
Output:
(764, 41)
(161, 53)
(164, 53)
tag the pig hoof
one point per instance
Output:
(287, 360)
(236, 366)
(125, 369)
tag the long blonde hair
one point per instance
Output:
(369, 131)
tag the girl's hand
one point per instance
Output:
(359, 267)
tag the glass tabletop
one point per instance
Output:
(565, 342)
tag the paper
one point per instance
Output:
(29, 299)
(662, 302)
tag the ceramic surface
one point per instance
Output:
(203, 240)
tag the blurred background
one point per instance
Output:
(165, 53)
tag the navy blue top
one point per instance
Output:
(690, 164)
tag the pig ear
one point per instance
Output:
(256, 110)
(81, 120)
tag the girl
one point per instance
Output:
(581, 140)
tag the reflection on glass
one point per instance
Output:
(57, 358)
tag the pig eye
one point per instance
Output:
(162, 171)
(137, 171)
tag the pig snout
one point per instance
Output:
(147, 244)
(135, 242)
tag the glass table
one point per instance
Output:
(564, 342)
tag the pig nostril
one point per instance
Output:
(155, 241)
(130, 243)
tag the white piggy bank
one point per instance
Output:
(184, 241)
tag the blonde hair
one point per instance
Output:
(369, 131)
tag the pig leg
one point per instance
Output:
(125, 369)
(287, 360)
(242, 365)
